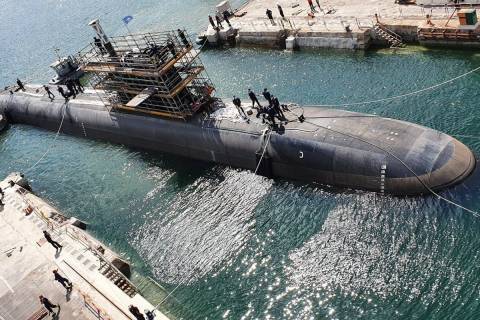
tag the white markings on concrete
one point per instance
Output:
(7, 284)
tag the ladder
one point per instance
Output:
(393, 39)
(118, 278)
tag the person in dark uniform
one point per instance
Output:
(212, 22)
(219, 21)
(280, 10)
(62, 93)
(1, 197)
(271, 115)
(267, 96)
(136, 313)
(182, 36)
(238, 103)
(277, 108)
(20, 85)
(78, 85)
(72, 91)
(49, 93)
(171, 47)
(67, 284)
(225, 17)
(270, 16)
(99, 45)
(254, 99)
(48, 305)
(49, 239)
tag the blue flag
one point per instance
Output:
(127, 19)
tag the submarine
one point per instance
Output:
(150, 91)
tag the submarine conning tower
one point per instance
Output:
(156, 73)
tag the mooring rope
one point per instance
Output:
(428, 188)
(264, 149)
(64, 108)
(401, 95)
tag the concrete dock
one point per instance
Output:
(346, 24)
(100, 289)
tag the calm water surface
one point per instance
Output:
(238, 246)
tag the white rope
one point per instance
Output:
(403, 95)
(475, 213)
(54, 140)
(264, 150)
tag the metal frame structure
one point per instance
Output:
(155, 73)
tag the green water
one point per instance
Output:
(239, 246)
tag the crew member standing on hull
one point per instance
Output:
(219, 22)
(49, 93)
(277, 108)
(212, 22)
(78, 85)
(267, 96)
(254, 99)
(1, 197)
(72, 91)
(20, 85)
(238, 103)
(225, 17)
(62, 93)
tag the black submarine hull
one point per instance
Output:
(332, 147)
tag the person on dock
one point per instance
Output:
(219, 22)
(62, 93)
(1, 197)
(212, 22)
(136, 312)
(67, 284)
(269, 14)
(49, 239)
(225, 17)
(182, 36)
(238, 103)
(20, 85)
(267, 96)
(49, 93)
(49, 305)
(254, 99)
(280, 10)
(312, 7)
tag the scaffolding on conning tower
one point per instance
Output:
(152, 73)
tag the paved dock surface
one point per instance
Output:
(27, 262)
